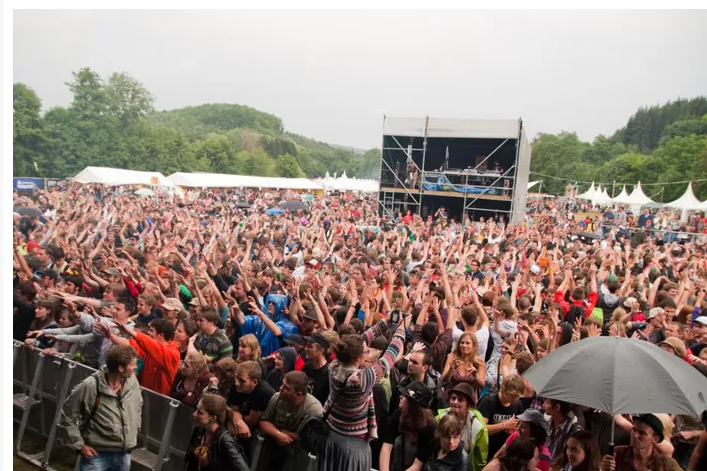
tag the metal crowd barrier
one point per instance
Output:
(42, 383)
(665, 235)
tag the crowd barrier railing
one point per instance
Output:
(663, 234)
(41, 384)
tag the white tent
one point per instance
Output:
(532, 184)
(354, 184)
(687, 202)
(218, 180)
(622, 198)
(601, 198)
(589, 194)
(637, 197)
(119, 176)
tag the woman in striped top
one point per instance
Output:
(352, 418)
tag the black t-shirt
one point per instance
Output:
(256, 400)
(318, 381)
(425, 445)
(22, 318)
(492, 409)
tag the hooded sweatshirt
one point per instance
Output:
(274, 378)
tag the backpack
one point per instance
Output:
(96, 402)
(575, 312)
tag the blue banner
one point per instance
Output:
(27, 184)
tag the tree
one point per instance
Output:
(286, 166)
(127, 99)
(216, 151)
(28, 139)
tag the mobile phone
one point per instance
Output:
(394, 318)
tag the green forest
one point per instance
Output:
(112, 122)
(666, 143)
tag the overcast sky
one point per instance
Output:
(332, 75)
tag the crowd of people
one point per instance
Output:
(406, 338)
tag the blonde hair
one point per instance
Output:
(198, 362)
(250, 341)
(667, 425)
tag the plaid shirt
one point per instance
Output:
(215, 347)
(558, 436)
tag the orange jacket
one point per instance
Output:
(160, 362)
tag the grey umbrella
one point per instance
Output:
(293, 206)
(620, 376)
(30, 211)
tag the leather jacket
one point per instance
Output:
(224, 454)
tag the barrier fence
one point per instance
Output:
(41, 384)
(658, 234)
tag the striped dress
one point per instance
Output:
(353, 414)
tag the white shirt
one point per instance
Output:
(482, 339)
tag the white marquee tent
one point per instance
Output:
(622, 198)
(687, 202)
(589, 194)
(601, 198)
(344, 183)
(218, 180)
(119, 176)
(637, 197)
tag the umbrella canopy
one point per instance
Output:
(30, 211)
(144, 192)
(293, 206)
(274, 211)
(242, 204)
(620, 376)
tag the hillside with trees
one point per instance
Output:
(113, 123)
(659, 144)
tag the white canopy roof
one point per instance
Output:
(119, 176)
(345, 183)
(218, 180)
(637, 197)
(622, 198)
(687, 201)
(443, 127)
(532, 184)
(601, 197)
(589, 194)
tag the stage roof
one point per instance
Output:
(446, 127)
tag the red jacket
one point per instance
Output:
(588, 307)
(160, 362)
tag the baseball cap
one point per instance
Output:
(31, 245)
(418, 392)
(612, 277)
(652, 421)
(535, 270)
(702, 320)
(629, 301)
(112, 271)
(534, 416)
(314, 263)
(318, 339)
(310, 314)
(194, 302)
(654, 312)
(295, 339)
(172, 304)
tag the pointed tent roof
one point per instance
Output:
(687, 201)
(601, 197)
(622, 197)
(637, 197)
(587, 195)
